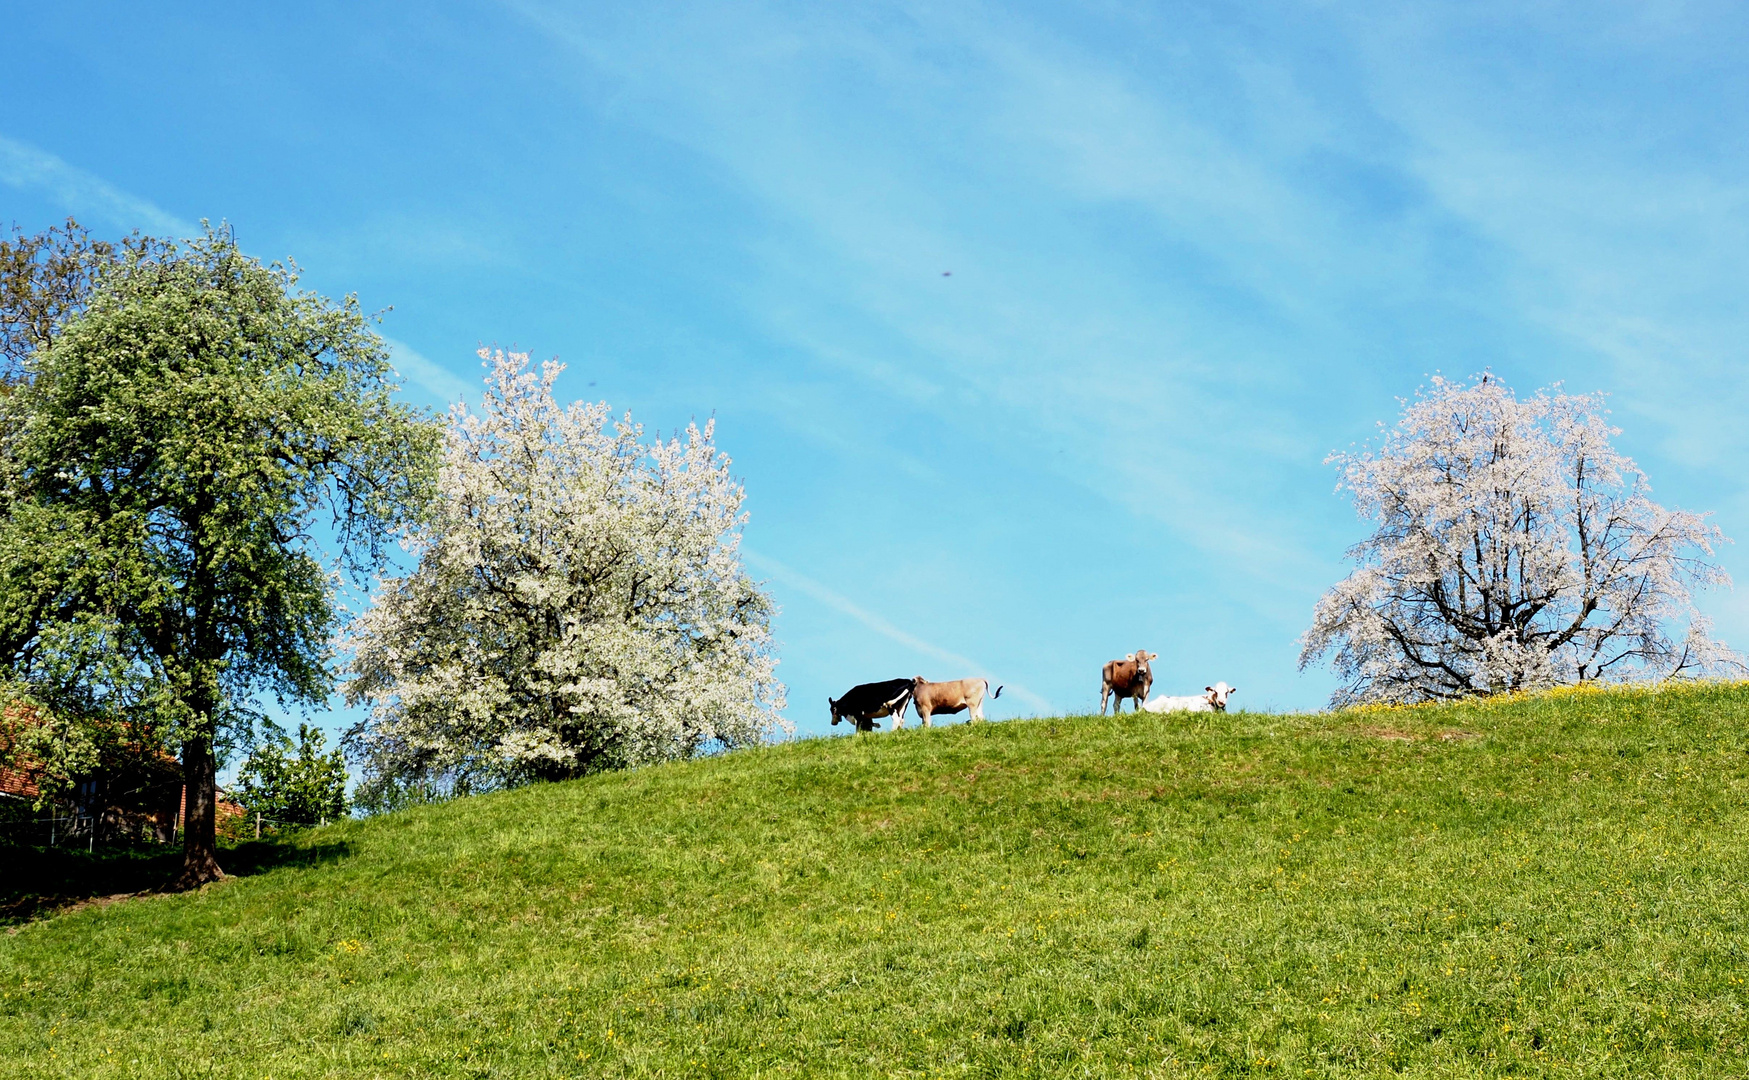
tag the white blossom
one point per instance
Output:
(1515, 549)
(578, 604)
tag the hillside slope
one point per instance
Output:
(1548, 887)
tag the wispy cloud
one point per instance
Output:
(844, 604)
(1038, 325)
(1618, 222)
(79, 192)
(428, 374)
(1178, 283)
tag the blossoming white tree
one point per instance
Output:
(1516, 549)
(578, 605)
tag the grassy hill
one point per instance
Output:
(1547, 887)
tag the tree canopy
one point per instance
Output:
(47, 279)
(190, 461)
(579, 604)
(1515, 549)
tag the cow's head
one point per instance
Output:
(1218, 694)
(833, 705)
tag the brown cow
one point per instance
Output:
(1130, 678)
(929, 698)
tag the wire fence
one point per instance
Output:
(111, 830)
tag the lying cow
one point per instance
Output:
(930, 698)
(1130, 678)
(1212, 699)
(863, 705)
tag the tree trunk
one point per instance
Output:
(200, 845)
(200, 784)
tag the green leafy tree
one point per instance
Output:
(46, 280)
(305, 785)
(191, 464)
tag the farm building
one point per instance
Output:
(134, 795)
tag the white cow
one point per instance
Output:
(1212, 699)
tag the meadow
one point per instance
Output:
(1545, 887)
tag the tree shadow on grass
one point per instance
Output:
(36, 883)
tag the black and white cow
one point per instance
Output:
(863, 705)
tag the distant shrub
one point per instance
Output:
(301, 785)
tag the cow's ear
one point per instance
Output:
(1153, 656)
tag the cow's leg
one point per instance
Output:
(1103, 691)
(924, 715)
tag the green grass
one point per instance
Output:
(1547, 887)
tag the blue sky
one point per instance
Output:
(1193, 249)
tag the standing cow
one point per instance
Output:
(863, 704)
(930, 698)
(1127, 678)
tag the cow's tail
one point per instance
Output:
(998, 692)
